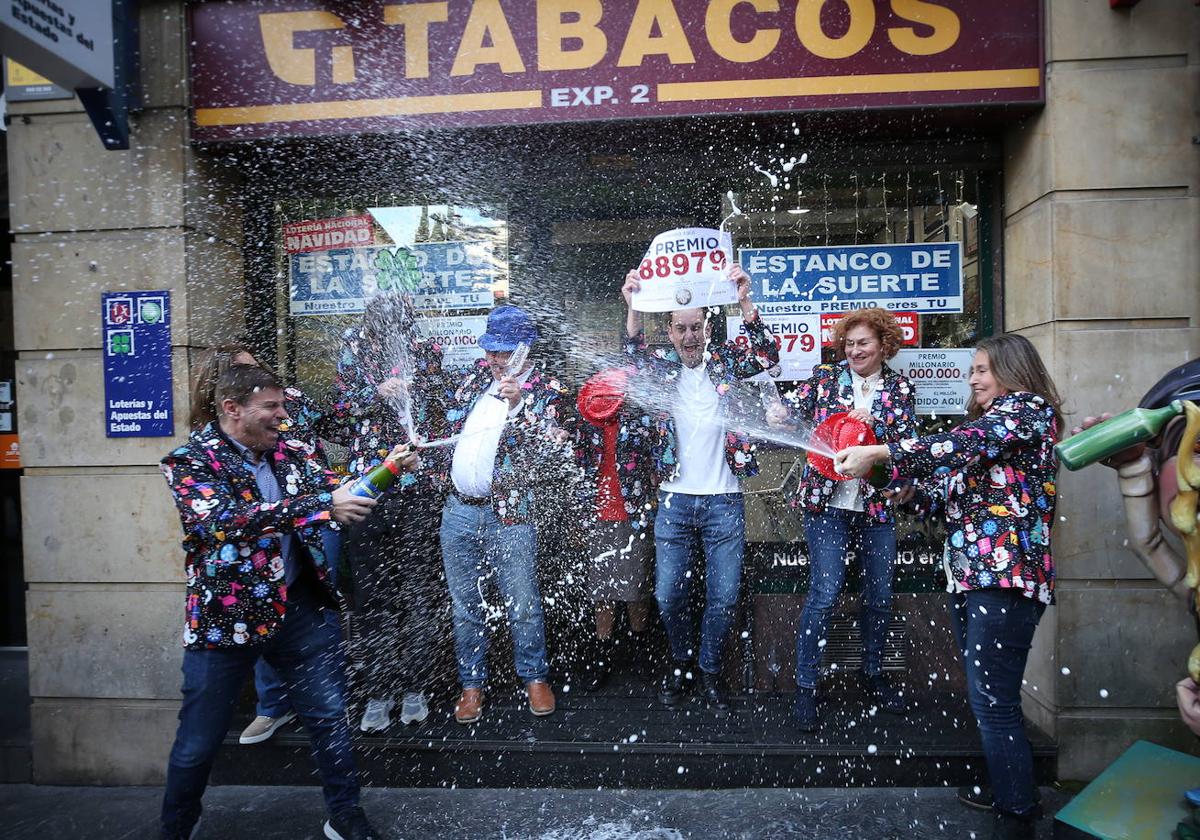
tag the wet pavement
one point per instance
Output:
(259, 813)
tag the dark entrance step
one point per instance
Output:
(624, 738)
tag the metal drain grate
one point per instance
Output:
(844, 644)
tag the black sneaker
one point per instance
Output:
(805, 709)
(679, 682)
(978, 797)
(889, 698)
(350, 824)
(600, 668)
(716, 695)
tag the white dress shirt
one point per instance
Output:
(475, 453)
(848, 494)
(700, 433)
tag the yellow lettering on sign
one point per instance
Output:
(717, 23)
(299, 66)
(944, 23)
(487, 22)
(641, 42)
(414, 19)
(552, 30)
(814, 39)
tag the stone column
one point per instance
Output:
(1101, 273)
(101, 538)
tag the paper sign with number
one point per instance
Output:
(686, 268)
(797, 339)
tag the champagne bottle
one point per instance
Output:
(1107, 438)
(879, 477)
(371, 485)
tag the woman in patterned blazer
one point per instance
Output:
(840, 516)
(993, 480)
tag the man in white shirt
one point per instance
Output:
(505, 419)
(702, 500)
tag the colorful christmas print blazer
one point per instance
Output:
(372, 420)
(994, 480)
(236, 594)
(527, 457)
(726, 363)
(645, 444)
(830, 390)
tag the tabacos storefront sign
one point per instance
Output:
(266, 68)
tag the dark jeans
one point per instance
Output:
(718, 523)
(830, 536)
(306, 653)
(399, 597)
(994, 629)
(272, 694)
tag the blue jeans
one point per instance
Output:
(994, 629)
(830, 536)
(306, 652)
(718, 522)
(476, 545)
(268, 687)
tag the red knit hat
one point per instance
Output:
(602, 396)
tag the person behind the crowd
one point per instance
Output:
(252, 503)
(625, 449)
(841, 516)
(993, 479)
(307, 423)
(701, 501)
(511, 425)
(389, 386)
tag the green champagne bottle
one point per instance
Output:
(879, 477)
(371, 485)
(1105, 439)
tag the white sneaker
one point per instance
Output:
(377, 717)
(263, 727)
(415, 708)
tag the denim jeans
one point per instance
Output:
(476, 545)
(718, 523)
(830, 536)
(994, 629)
(268, 687)
(306, 652)
(272, 696)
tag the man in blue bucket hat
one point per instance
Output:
(507, 413)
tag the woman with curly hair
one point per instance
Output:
(840, 516)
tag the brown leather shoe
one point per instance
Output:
(469, 707)
(541, 698)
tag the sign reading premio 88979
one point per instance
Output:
(805, 281)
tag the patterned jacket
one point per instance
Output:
(372, 421)
(830, 390)
(526, 457)
(994, 479)
(236, 593)
(640, 435)
(725, 364)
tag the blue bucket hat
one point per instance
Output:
(508, 326)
